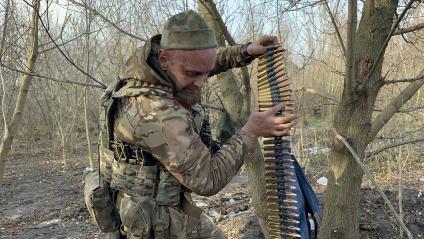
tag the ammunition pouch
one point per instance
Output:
(99, 203)
(137, 173)
(106, 161)
(135, 180)
(136, 216)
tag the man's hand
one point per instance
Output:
(258, 47)
(266, 124)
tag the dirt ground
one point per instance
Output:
(40, 200)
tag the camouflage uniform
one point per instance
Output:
(154, 199)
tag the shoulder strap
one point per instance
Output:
(107, 110)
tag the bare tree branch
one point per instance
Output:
(409, 110)
(394, 106)
(67, 57)
(421, 77)
(409, 29)
(97, 13)
(383, 47)
(209, 106)
(50, 78)
(350, 45)
(3, 37)
(374, 182)
(396, 144)
(67, 41)
(333, 20)
(319, 93)
(211, 7)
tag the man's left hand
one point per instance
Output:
(258, 47)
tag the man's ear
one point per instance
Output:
(163, 58)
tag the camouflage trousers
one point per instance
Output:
(144, 219)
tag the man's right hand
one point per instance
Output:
(266, 124)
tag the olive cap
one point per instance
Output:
(187, 31)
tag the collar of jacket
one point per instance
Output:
(143, 65)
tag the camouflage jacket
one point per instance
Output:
(153, 120)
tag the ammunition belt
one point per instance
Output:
(274, 88)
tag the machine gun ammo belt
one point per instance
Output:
(274, 87)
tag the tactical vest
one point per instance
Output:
(134, 171)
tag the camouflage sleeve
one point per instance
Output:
(167, 131)
(228, 58)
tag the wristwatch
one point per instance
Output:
(247, 58)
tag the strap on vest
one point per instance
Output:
(110, 115)
(189, 208)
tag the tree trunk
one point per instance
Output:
(353, 120)
(63, 144)
(237, 106)
(3, 35)
(2, 51)
(86, 102)
(11, 129)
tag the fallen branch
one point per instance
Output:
(374, 182)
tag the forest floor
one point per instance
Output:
(40, 200)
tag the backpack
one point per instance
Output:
(98, 195)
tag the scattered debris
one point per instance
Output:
(87, 170)
(317, 150)
(202, 205)
(14, 217)
(46, 224)
(322, 181)
(228, 206)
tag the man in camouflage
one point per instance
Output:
(159, 156)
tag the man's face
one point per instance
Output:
(189, 70)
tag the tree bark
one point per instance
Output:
(353, 119)
(11, 129)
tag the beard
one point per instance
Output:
(190, 96)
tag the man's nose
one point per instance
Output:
(200, 81)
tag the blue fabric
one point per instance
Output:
(307, 202)
(308, 199)
(301, 205)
